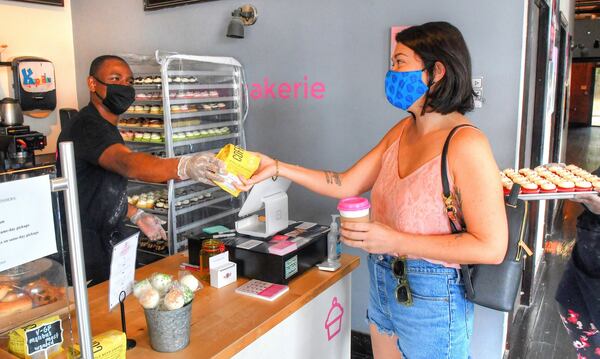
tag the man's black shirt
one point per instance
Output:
(102, 193)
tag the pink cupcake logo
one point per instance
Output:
(333, 324)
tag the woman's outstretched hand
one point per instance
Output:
(266, 169)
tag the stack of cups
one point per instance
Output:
(354, 209)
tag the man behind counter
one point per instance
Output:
(104, 164)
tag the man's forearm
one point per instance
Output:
(148, 168)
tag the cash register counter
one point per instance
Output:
(311, 320)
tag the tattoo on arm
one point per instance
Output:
(333, 177)
(337, 178)
(458, 196)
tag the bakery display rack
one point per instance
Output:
(185, 104)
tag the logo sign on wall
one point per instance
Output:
(37, 76)
(333, 323)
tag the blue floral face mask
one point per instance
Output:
(403, 88)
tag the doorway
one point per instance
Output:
(596, 98)
(584, 93)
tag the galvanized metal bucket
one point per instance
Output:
(169, 330)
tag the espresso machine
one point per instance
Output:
(17, 142)
(34, 88)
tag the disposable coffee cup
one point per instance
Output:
(354, 209)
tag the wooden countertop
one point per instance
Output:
(223, 322)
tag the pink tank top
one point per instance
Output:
(412, 204)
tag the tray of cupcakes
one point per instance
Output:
(158, 201)
(551, 181)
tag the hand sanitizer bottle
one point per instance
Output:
(334, 245)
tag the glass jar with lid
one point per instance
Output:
(210, 247)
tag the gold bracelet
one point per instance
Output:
(274, 178)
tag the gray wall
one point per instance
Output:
(586, 32)
(345, 45)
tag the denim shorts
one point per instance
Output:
(439, 323)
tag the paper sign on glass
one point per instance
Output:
(122, 269)
(26, 221)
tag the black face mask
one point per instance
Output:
(118, 97)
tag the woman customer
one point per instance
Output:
(417, 303)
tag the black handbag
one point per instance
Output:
(492, 286)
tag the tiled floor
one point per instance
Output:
(361, 346)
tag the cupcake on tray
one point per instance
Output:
(525, 171)
(529, 188)
(138, 136)
(507, 186)
(565, 186)
(155, 137)
(547, 187)
(582, 186)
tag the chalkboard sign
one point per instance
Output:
(44, 337)
(160, 4)
(45, 2)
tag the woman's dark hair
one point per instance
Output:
(441, 41)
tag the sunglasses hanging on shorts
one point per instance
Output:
(403, 294)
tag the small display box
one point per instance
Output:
(279, 258)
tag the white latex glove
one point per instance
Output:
(150, 225)
(202, 167)
(591, 201)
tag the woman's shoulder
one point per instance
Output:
(469, 146)
(468, 136)
(395, 132)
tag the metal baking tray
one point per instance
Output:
(555, 195)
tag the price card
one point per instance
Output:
(122, 269)
(43, 337)
(26, 221)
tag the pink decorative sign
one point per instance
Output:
(333, 323)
